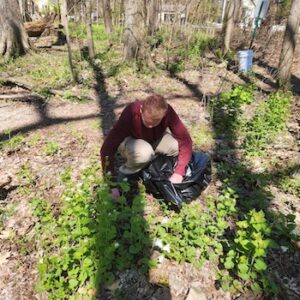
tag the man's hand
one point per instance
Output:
(176, 178)
(115, 194)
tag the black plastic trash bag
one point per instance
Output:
(198, 176)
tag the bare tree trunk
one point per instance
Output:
(82, 12)
(13, 37)
(187, 12)
(289, 44)
(32, 7)
(121, 21)
(229, 22)
(22, 8)
(98, 11)
(135, 29)
(115, 15)
(89, 29)
(152, 16)
(64, 18)
(76, 11)
(107, 15)
(27, 15)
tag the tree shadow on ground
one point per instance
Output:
(123, 247)
(41, 107)
(122, 223)
(106, 103)
(196, 92)
(251, 186)
(295, 81)
(123, 242)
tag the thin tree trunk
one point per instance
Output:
(223, 10)
(76, 13)
(107, 15)
(228, 25)
(13, 37)
(187, 12)
(27, 15)
(115, 15)
(98, 11)
(89, 29)
(231, 12)
(134, 32)
(82, 11)
(22, 8)
(64, 18)
(152, 16)
(32, 8)
(122, 13)
(289, 44)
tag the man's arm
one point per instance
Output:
(115, 137)
(181, 134)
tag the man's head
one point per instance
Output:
(153, 110)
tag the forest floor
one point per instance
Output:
(58, 132)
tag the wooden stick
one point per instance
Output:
(16, 82)
(20, 97)
(29, 87)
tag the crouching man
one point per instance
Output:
(145, 128)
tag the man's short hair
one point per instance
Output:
(155, 105)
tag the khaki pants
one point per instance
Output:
(138, 153)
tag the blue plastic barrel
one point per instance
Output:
(245, 60)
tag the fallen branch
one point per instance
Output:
(34, 92)
(29, 87)
(16, 82)
(20, 97)
(59, 48)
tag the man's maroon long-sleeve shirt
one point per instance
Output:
(130, 124)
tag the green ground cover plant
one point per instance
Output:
(34, 140)
(68, 240)
(181, 48)
(290, 185)
(13, 142)
(6, 211)
(227, 110)
(70, 96)
(43, 91)
(288, 181)
(201, 135)
(248, 185)
(245, 255)
(26, 180)
(78, 31)
(270, 119)
(92, 238)
(195, 235)
(41, 69)
(79, 136)
(51, 148)
(199, 43)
